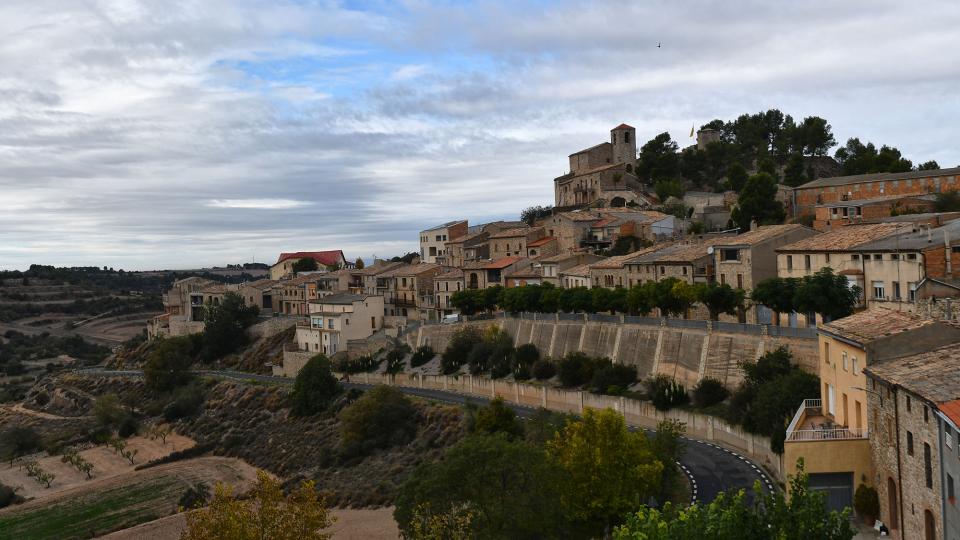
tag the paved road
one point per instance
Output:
(710, 468)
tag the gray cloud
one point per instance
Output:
(122, 122)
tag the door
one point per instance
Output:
(837, 487)
(929, 527)
(831, 401)
(893, 522)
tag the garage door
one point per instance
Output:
(838, 488)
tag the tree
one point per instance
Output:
(108, 410)
(468, 301)
(777, 294)
(758, 202)
(458, 349)
(306, 264)
(359, 265)
(314, 388)
(381, 418)
(948, 201)
(496, 417)
(267, 513)
(665, 392)
(793, 173)
(658, 159)
(452, 525)
(607, 469)
(814, 137)
(531, 214)
(709, 392)
(668, 188)
(668, 447)
(673, 296)
(508, 487)
(17, 441)
(730, 515)
(720, 298)
(858, 158)
(169, 364)
(737, 176)
(225, 326)
(826, 293)
(928, 166)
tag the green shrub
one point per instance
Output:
(357, 365)
(666, 393)
(42, 398)
(576, 369)
(526, 354)
(8, 496)
(169, 364)
(616, 376)
(421, 356)
(314, 388)
(543, 369)
(479, 358)
(709, 392)
(458, 349)
(128, 427)
(501, 362)
(381, 418)
(395, 359)
(185, 402)
(866, 502)
(17, 441)
(497, 417)
(195, 496)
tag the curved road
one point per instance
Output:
(711, 468)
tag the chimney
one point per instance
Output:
(753, 224)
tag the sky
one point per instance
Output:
(181, 134)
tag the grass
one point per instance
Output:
(94, 514)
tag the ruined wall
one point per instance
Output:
(688, 354)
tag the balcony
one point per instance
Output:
(810, 424)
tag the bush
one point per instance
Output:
(194, 497)
(576, 369)
(169, 364)
(395, 357)
(497, 418)
(709, 392)
(185, 402)
(616, 377)
(459, 347)
(666, 393)
(866, 502)
(8, 496)
(543, 370)
(381, 418)
(42, 398)
(357, 365)
(128, 427)
(501, 362)
(422, 356)
(479, 358)
(315, 387)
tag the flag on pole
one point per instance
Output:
(691, 131)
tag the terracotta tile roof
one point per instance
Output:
(931, 374)
(579, 216)
(411, 270)
(875, 323)
(326, 258)
(219, 288)
(502, 263)
(261, 284)
(623, 126)
(541, 241)
(529, 272)
(845, 238)
(952, 411)
(761, 234)
(619, 261)
(378, 269)
(604, 222)
(512, 233)
(591, 148)
(453, 273)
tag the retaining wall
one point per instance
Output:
(686, 350)
(636, 413)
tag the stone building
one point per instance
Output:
(553, 265)
(263, 293)
(447, 283)
(691, 263)
(337, 319)
(183, 309)
(570, 229)
(747, 259)
(806, 197)
(602, 174)
(577, 276)
(411, 293)
(910, 443)
(543, 247)
(838, 214)
(513, 242)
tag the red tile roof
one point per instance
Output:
(326, 258)
(623, 126)
(952, 410)
(541, 241)
(503, 263)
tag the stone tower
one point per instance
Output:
(624, 141)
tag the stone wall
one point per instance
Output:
(688, 354)
(273, 326)
(635, 412)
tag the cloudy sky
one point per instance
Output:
(173, 134)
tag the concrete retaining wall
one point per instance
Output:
(636, 413)
(688, 354)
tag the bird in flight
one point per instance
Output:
(658, 44)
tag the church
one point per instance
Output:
(602, 175)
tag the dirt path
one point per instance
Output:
(106, 464)
(20, 409)
(375, 524)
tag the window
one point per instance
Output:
(684, 270)
(789, 262)
(828, 257)
(877, 256)
(846, 362)
(740, 281)
(826, 352)
(912, 294)
(909, 443)
(948, 437)
(909, 404)
(855, 257)
(729, 254)
(878, 291)
(806, 262)
(626, 136)
(894, 257)
(856, 369)
(927, 465)
(330, 324)
(911, 256)
(926, 415)
(438, 238)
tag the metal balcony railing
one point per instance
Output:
(810, 424)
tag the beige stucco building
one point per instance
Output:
(433, 241)
(337, 319)
(325, 259)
